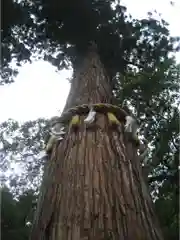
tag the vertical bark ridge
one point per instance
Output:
(99, 199)
(90, 84)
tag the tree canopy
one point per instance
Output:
(61, 31)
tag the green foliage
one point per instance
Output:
(14, 20)
(167, 207)
(19, 150)
(16, 214)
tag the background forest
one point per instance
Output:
(139, 58)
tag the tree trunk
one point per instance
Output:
(94, 187)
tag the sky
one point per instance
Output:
(39, 91)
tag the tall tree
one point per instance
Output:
(60, 31)
(94, 187)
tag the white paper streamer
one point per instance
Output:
(91, 117)
(130, 125)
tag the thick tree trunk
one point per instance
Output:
(94, 187)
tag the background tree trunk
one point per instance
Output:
(94, 187)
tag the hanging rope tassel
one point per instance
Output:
(75, 121)
(91, 117)
(50, 144)
(53, 139)
(112, 119)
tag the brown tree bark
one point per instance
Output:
(93, 186)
